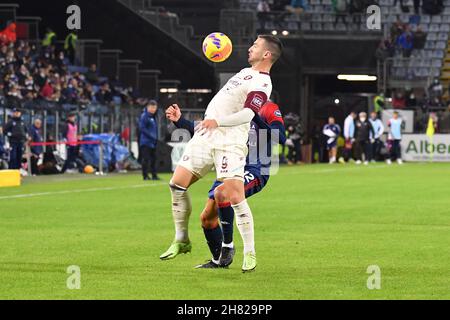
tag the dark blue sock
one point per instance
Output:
(214, 239)
(226, 215)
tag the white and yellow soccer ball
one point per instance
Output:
(217, 47)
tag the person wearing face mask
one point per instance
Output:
(378, 129)
(364, 134)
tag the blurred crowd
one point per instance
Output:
(31, 75)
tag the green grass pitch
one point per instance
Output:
(318, 228)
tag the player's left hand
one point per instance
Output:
(209, 124)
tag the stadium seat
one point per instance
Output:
(434, 27)
(436, 19)
(432, 36)
(441, 45)
(425, 19)
(316, 26)
(429, 45)
(443, 36)
(437, 63)
(306, 26)
(444, 28)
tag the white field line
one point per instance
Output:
(41, 194)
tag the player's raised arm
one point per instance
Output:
(174, 114)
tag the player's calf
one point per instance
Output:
(212, 230)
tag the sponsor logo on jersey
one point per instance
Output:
(257, 101)
(248, 78)
(185, 158)
(278, 113)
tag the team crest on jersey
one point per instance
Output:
(248, 78)
(278, 113)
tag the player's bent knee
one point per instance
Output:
(220, 195)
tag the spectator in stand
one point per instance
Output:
(404, 8)
(435, 90)
(8, 36)
(92, 75)
(356, 10)
(432, 6)
(71, 92)
(382, 52)
(399, 100)
(405, 42)
(148, 128)
(262, 12)
(70, 135)
(104, 96)
(49, 39)
(395, 134)
(419, 38)
(297, 6)
(16, 131)
(378, 129)
(411, 101)
(416, 6)
(397, 29)
(36, 151)
(70, 46)
(364, 134)
(340, 8)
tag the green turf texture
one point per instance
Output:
(318, 228)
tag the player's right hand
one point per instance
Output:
(173, 113)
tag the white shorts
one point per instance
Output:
(201, 156)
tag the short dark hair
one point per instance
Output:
(274, 45)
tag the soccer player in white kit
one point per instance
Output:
(220, 141)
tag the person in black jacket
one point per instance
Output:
(148, 127)
(36, 151)
(16, 131)
(364, 134)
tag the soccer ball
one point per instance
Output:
(217, 47)
(89, 169)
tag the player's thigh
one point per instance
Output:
(183, 177)
(197, 158)
(234, 189)
(253, 183)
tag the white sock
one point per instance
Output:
(181, 211)
(228, 245)
(244, 221)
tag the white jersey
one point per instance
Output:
(247, 89)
